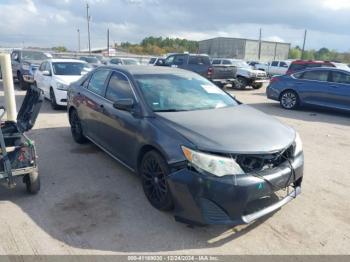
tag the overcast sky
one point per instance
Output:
(48, 23)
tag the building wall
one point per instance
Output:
(244, 49)
(223, 47)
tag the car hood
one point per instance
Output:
(238, 129)
(67, 79)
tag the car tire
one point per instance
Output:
(154, 171)
(53, 102)
(241, 83)
(22, 84)
(289, 100)
(32, 181)
(257, 85)
(76, 128)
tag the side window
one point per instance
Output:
(283, 64)
(274, 63)
(42, 66)
(97, 82)
(116, 61)
(340, 77)
(216, 62)
(118, 88)
(316, 75)
(169, 61)
(226, 62)
(179, 60)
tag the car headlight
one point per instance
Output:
(26, 67)
(61, 86)
(216, 165)
(298, 145)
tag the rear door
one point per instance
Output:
(339, 89)
(282, 68)
(312, 86)
(92, 105)
(120, 128)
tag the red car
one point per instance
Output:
(299, 65)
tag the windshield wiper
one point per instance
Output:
(170, 110)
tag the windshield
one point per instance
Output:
(69, 68)
(130, 62)
(32, 55)
(172, 92)
(91, 60)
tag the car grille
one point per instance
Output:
(256, 163)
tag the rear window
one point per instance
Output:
(199, 60)
(216, 62)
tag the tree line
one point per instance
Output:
(160, 46)
(323, 54)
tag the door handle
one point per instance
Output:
(333, 86)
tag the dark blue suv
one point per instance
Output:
(325, 87)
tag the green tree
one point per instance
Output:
(59, 49)
(294, 53)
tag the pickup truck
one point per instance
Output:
(274, 67)
(193, 62)
(243, 74)
(24, 65)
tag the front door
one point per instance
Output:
(339, 89)
(121, 127)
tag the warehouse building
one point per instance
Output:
(246, 49)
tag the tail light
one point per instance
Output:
(210, 72)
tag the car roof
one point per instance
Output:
(311, 62)
(147, 70)
(68, 60)
(323, 68)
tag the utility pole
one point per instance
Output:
(259, 52)
(78, 30)
(303, 51)
(108, 42)
(88, 17)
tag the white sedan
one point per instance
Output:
(55, 75)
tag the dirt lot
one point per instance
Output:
(90, 204)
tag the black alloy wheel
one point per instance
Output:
(154, 171)
(76, 128)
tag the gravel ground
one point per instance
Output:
(90, 204)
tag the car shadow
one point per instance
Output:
(308, 114)
(90, 201)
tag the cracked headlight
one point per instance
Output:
(61, 86)
(216, 165)
(298, 145)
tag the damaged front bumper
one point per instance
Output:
(204, 199)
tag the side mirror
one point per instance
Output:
(124, 104)
(46, 73)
